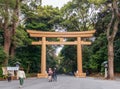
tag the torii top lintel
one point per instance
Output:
(34, 33)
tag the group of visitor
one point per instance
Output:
(52, 74)
(20, 76)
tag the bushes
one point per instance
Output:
(2, 58)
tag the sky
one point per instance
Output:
(55, 3)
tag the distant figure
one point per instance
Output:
(55, 74)
(87, 72)
(9, 77)
(21, 76)
(50, 74)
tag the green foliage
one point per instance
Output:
(1, 37)
(29, 57)
(51, 61)
(79, 15)
(34, 25)
(51, 57)
(10, 3)
(86, 54)
(117, 55)
(99, 54)
(97, 1)
(2, 56)
(21, 37)
(7, 8)
(68, 62)
(44, 18)
(0, 72)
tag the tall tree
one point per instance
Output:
(9, 18)
(9, 21)
(14, 26)
(111, 33)
(112, 9)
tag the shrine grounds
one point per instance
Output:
(63, 82)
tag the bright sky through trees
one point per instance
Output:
(55, 3)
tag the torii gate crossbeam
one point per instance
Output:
(61, 35)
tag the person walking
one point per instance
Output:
(21, 76)
(50, 74)
(55, 74)
(9, 77)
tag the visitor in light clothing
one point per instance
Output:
(21, 76)
(50, 74)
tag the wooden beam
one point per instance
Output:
(37, 43)
(55, 43)
(61, 43)
(61, 39)
(61, 35)
(86, 43)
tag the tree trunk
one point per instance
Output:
(110, 60)
(7, 42)
(111, 33)
(15, 24)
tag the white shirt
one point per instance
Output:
(21, 74)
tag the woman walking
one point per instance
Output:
(50, 73)
(21, 76)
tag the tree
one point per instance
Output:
(9, 21)
(9, 13)
(79, 15)
(111, 7)
(111, 33)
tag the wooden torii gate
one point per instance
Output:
(61, 35)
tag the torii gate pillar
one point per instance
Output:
(43, 59)
(79, 72)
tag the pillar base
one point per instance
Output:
(80, 75)
(40, 75)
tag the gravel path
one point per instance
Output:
(64, 82)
